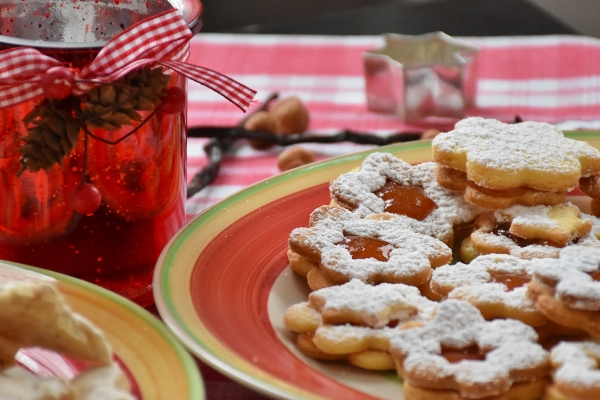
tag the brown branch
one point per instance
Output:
(215, 149)
(287, 140)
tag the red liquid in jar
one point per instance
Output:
(142, 182)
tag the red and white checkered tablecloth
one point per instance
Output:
(554, 79)
(543, 78)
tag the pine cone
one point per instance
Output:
(111, 106)
(152, 85)
(53, 126)
(52, 132)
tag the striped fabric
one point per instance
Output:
(552, 78)
(543, 78)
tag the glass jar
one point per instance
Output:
(141, 178)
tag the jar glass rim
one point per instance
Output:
(191, 11)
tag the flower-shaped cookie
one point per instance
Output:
(386, 184)
(530, 232)
(576, 374)
(496, 284)
(507, 160)
(374, 251)
(567, 289)
(458, 350)
(354, 321)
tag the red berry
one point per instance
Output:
(86, 198)
(57, 82)
(174, 101)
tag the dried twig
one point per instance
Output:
(215, 149)
(287, 140)
(223, 137)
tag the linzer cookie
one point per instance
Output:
(354, 321)
(567, 289)
(458, 354)
(576, 374)
(500, 165)
(344, 246)
(591, 187)
(495, 284)
(386, 184)
(530, 232)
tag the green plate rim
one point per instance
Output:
(162, 280)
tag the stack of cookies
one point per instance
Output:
(471, 276)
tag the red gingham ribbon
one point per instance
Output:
(162, 39)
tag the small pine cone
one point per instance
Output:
(52, 132)
(111, 106)
(152, 86)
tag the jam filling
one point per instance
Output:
(498, 192)
(503, 230)
(366, 247)
(512, 281)
(596, 276)
(472, 352)
(406, 200)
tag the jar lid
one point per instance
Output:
(82, 23)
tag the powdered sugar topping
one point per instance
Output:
(572, 273)
(509, 345)
(515, 147)
(576, 364)
(357, 190)
(410, 254)
(378, 305)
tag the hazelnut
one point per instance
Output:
(294, 157)
(260, 121)
(291, 116)
(430, 134)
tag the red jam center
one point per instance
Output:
(512, 281)
(406, 200)
(365, 247)
(504, 230)
(596, 276)
(472, 352)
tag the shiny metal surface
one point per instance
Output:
(81, 23)
(420, 76)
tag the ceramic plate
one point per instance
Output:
(157, 366)
(223, 283)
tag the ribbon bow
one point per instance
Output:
(162, 39)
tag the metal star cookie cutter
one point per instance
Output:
(421, 76)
